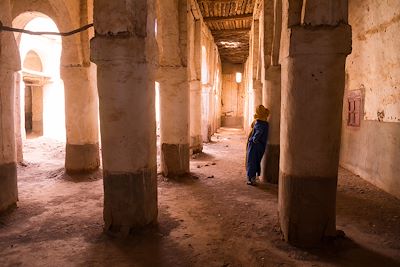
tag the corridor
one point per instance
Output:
(210, 218)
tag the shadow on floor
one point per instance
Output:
(150, 247)
(341, 252)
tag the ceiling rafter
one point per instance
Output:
(215, 1)
(230, 18)
(230, 22)
(238, 30)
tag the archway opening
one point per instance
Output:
(42, 104)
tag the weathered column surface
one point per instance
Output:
(174, 123)
(9, 64)
(196, 140)
(125, 53)
(18, 117)
(270, 163)
(257, 93)
(206, 94)
(81, 106)
(313, 73)
(174, 88)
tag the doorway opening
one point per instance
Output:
(42, 107)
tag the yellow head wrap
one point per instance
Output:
(262, 113)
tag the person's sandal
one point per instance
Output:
(251, 183)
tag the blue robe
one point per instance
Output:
(256, 147)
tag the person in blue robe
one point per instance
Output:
(256, 143)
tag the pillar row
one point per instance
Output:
(9, 64)
(81, 106)
(174, 124)
(270, 163)
(125, 53)
(196, 139)
(313, 75)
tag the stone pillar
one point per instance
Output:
(125, 52)
(18, 117)
(196, 140)
(81, 106)
(316, 41)
(9, 64)
(174, 123)
(257, 93)
(205, 111)
(270, 163)
(174, 88)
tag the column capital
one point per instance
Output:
(272, 71)
(257, 85)
(106, 49)
(318, 40)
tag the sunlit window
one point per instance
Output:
(204, 67)
(238, 77)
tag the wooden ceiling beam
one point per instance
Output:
(216, 1)
(230, 18)
(195, 10)
(239, 30)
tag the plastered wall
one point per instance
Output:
(373, 149)
(232, 96)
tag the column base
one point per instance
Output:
(270, 164)
(174, 159)
(82, 158)
(196, 144)
(307, 209)
(8, 186)
(130, 201)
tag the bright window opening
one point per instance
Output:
(238, 77)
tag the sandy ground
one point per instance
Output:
(211, 218)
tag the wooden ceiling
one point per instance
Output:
(230, 23)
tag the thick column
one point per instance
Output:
(174, 123)
(81, 106)
(174, 88)
(125, 53)
(196, 140)
(18, 117)
(257, 93)
(313, 74)
(205, 111)
(270, 163)
(9, 64)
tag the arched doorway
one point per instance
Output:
(42, 90)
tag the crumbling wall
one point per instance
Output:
(372, 150)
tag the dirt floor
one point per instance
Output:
(211, 218)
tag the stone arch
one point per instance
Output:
(23, 12)
(32, 61)
(78, 75)
(40, 102)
